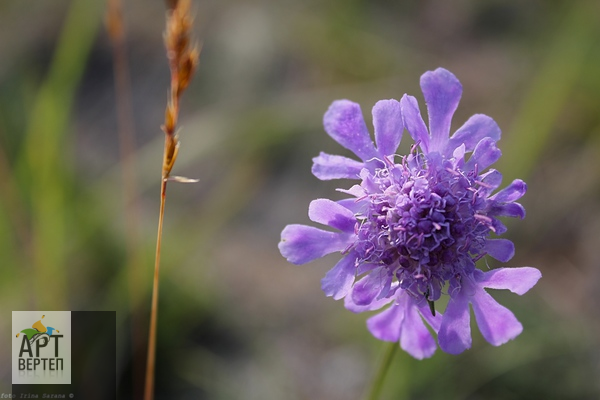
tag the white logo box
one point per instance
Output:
(44, 358)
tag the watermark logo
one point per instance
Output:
(41, 347)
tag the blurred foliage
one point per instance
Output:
(235, 320)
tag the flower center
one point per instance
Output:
(421, 223)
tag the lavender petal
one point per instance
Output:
(485, 154)
(501, 249)
(300, 243)
(477, 127)
(387, 121)
(328, 212)
(368, 288)
(375, 305)
(434, 321)
(338, 280)
(512, 192)
(491, 180)
(413, 122)
(415, 338)
(454, 336)
(517, 280)
(497, 323)
(442, 93)
(344, 122)
(353, 205)
(327, 167)
(387, 324)
(514, 210)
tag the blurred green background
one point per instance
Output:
(236, 321)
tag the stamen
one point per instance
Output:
(413, 148)
(466, 245)
(483, 219)
(479, 257)
(453, 172)
(483, 184)
(347, 249)
(388, 161)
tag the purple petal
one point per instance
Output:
(459, 156)
(413, 122)
(442, 93)
(492, 179)
(338, 280)
(477, 127)
(301, 244)
(517, 280)
(327, 167)
(355, 190)
(344, 122)
(375, 305)
(454, 336)
(365, 267)
(514, 210)
(354, 205)
(386, 287)
(387, 121)
(433, 321)
(512, 192)
(402, 322)
(368, 184)
(499, 227)
(501, 249)
(415, 338)
(366, 290)
(386, 325)
(328, 212)
(485, 154)
(497, 323)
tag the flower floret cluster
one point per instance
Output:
(414, 226)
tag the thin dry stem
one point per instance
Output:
(150, 364)
(183, 60)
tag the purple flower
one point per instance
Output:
(414, 227)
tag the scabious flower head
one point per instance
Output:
(414, 227)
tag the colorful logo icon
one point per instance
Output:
(37, 331)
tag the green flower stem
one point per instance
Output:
(379, 377)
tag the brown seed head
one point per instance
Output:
(170, 119)
(183, 61)
(187, 69)
(170, 155)
(177, 34)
